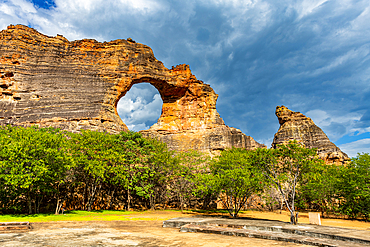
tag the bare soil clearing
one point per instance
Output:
(122, 233)
(145, 229)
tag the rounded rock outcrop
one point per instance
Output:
(296, 126)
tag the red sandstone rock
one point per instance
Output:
(50, 81)
(296, 126)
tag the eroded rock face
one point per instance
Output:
(296, 126)
(50, 81)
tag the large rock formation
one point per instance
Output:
(296, 126)
(50, 81)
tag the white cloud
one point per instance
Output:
(84, 18)
(25, 6)
(323, 118)
(13, 13)
(124, 6)
(267, 142)
(353, 55)
(137, 127)
(360, 131)
(140, 107)
(306, 7)
(6, 9)
(362, 21)
(335, 125)
(246, 18)
(143, 5)
(360, 146)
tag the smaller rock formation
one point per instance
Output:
(296, 126)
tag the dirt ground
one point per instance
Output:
(133, 232)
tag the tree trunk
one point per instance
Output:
(181, 204)
(38, 204)
(29, 203)
(111, 200)
(151, 202)
(128, 199)
(206, 201)
(84, 197)
(92, 193)
(293, 218)
(57, 207)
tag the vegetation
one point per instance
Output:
(233, 178)
(44, 170)
(78, 215)
(283, 167)
(354, 188)
(339, 189)
(34, 163)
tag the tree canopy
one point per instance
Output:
(46, 169)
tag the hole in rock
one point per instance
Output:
(9, 74)
(141, 107)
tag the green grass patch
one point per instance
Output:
(76, 215)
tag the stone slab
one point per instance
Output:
(14, 226)
(278, 236)
(316, 231)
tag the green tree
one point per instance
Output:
(354, 187)
(283, 167)
(184, 170)
(160, 162)
(134, 175)
(233, 178)
(97, 155)
(33, 162)
(319, 188)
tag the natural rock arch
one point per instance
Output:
(169, 93)
(50, 81)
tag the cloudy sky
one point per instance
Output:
(312, 56)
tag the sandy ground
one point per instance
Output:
(133, 232)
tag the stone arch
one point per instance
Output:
(176, 97)
(168, 92)
(76, 85)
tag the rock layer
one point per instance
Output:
(50, 81)
(296, 126)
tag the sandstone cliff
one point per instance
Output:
(296, 126)
(50, 81)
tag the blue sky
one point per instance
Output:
(312, 56)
